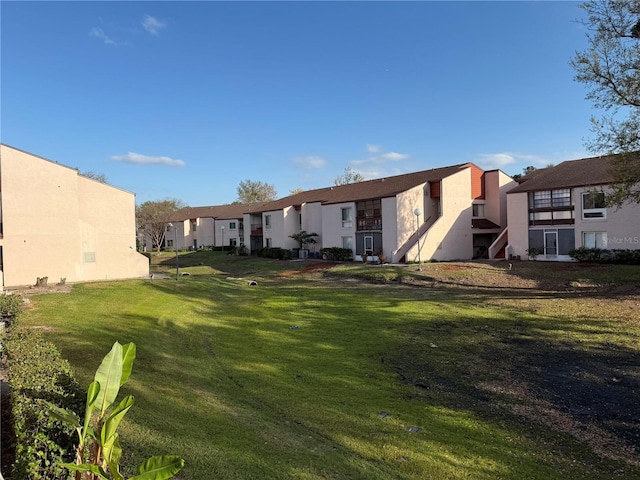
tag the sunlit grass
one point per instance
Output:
(296, 379)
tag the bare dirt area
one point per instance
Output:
(565, 358)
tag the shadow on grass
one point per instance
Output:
(291, 379)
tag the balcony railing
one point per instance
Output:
(369, 223)
(256, 229)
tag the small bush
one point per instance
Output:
(273, 252)
(337, 254)
(11, 305)
(240, 250)
(37, 374)
(601, 255)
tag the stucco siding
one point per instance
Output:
(622, 225)
(450, 237)
(332, 229)
(518, 224)
(59, 224)
(406, 221)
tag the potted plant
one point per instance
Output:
(533, 253)
(304, 238)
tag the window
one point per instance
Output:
(347, 219)
(561, 197)
(347, 242)
(542, 199)
(169, 243)
(267, 243)
(477, 210)
(232, 225)
(593, 205)
(194, 225)
(233, 241)
(594, 239)
(552, 198)
(267, 222)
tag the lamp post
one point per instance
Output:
(175, 244)
(417, 212)
(222, 227)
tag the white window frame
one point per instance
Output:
(599, 213)
(268, 242)
(478, 210)
(347, 242)
(347, 220)
(232, 225)
(593, 242)
(267, 222)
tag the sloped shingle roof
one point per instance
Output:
(572, 173)
(353, 192)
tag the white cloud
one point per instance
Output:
(152, 24)
(390, 157)
(373, 148)
(381, 157)
(506, 159)
(97, 32)
(373, 172)
(140, 159)
(310, 161)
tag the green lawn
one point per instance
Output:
(310, 377)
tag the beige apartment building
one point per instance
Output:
(59, 224)
(557, 209)
(462, 211)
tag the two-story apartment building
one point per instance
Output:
(561, 208)
(462, 210)
(59, 224)
(198, 227)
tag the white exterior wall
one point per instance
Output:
(224, 238)
(291, 227)
(277, 231)
(59, 224)
(389, 209)
(496, 186)
(518, 224)
(312, 223)
(450, 237)
(405, 220)
(331, 227)
(204, 233)
(621, 225)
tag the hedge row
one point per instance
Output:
(601, 255)
(337, 254)
(37, 373)
(278, 253)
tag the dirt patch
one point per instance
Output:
(308, 267)
(31, 290)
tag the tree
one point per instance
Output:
(253, 192)
(304, 238)
(349, 176)
(99, 177)
(152, 218)
(611, 68)
(525, 171)
(295, 191)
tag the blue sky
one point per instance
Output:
(187, 99)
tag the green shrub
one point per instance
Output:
(240, 250)
(38, 374)
(274, 252)
(337, 254)
(11, 305)
(601, 255)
